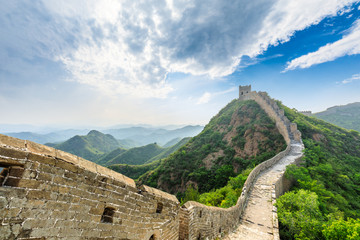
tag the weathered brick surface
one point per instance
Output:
(50, 194)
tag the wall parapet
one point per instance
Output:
(210, 222)
(50, 194)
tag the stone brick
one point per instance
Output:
(66, 165)
(45, 177)
(12, 182)
(90, 166)
(12, 153)
(35, 194)
(40, 149)
(11, 141)
(42, 159)
(29, 183)
(67, 157)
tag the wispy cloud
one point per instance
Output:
(355, 77)
(129, 48)
(206, 97)
(348, 45)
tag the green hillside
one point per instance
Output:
(240, 136)
(172, 142)
(137, 155)
(135, 171)
(327, 185)
(108, 157)
(169, 150)
(347, 116)
(91, 146)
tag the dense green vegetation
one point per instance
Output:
(325, 200)
(347, 116)
(219, 152)
(134, 171)
(223, 197)
(91, 146)
(139, 155)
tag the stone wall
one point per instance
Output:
(285, 127)
(49, 194)
(198, 221)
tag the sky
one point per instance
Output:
(101, 63)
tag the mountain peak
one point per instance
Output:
(94, 132)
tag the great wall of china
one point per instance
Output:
(49, 194)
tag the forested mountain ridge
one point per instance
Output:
(90, 146)
(240, 136)
(135, 171)
(346, 116)
(325, 200)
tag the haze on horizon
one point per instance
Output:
(103, 63)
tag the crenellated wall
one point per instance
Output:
(50, 194)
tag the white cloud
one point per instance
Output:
(355, 77)
(205, 98)
(130, 47)
(348, 45)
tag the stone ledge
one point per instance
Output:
(159, 193)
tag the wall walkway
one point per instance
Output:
(253, 217)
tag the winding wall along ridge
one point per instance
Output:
(198, 221)
(50, 194)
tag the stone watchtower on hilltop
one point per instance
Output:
(244, 92)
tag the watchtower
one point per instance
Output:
(244, 91)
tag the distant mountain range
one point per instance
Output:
(130, 136)
(143, 136)
(106, 150)
(346, 116)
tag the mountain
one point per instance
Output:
(109, 156)
(346, 116)
(35, 137)
(137, 155)
(145, 136)
(169, 150)
(324, 202)
(134, 170)
(129, 137)
(172, 142)
(240, 136)
(53, 137)
(91, 146)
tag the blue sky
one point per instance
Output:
(102, 63)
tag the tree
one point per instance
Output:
(299, 212)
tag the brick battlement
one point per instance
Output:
(50, 194)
